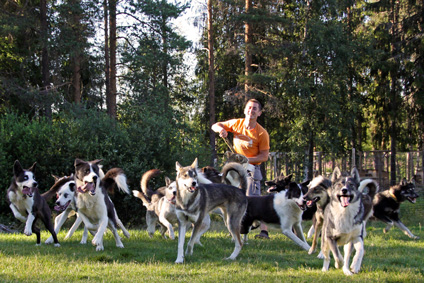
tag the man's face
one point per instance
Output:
(252, 110)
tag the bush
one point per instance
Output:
(139, 141)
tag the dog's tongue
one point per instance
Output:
(27, 191)
(309, 203)
(344, 201)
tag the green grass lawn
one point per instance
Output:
(391, 257)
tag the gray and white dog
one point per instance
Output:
(344, 221)
(196, 200)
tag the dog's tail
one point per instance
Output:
(145, 181)
(241, 172)
(116, 176)
(144, 199)
(59, 182)
(369, 187)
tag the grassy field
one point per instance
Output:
(391, 257)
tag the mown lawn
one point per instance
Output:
(391, 257)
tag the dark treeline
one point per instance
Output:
(108, 80)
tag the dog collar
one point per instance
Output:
(393, 196)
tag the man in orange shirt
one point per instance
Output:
(251, 140)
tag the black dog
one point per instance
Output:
(386, 205)
(284, 209)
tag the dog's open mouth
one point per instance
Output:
(27, 191)
(88, 187)
(345, 200)
(301, 206)
(172, 200)
(272, 189)
(412, 199)
(310, 203)
(62, 207)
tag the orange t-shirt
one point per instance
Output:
(247, 142)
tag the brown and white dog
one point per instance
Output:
(26, 202)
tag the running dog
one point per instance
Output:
(93, 204)
(194, 202)
(317, 195)
(160, 204)
(284, 209)
(344, 220)
(386, 205)
(27, 204)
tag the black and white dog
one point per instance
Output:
(284, 208)
(26, 202)
(387, 203)
(345, 218)
(93, 204)
(196, 200)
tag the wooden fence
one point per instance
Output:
(371, 164)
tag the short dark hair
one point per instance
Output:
(255, 101)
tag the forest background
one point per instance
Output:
(111, 80)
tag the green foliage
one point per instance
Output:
(141, 140)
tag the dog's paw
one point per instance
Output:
(320, 255)
(120, 245)
(28, 232)
(37, 245)
(311, 251)
(347, 271)
(179, 260)
(99, 248)
(83, 242)
(57, 245)
(49, 241)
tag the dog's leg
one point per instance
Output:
(118, 241)
(121, 225)
(359, 254)
(317, 231)
(388, 227)
(325, 250)
(98, 238)
(234, 223)
(29, 224)
(17, 214)
(182, 229)
(36, 231)
(311, 232)
(405, 230)
(347, 252)
(286, 228)
(58, 222)
(74, 228)
(49, 225)
(199, 228)
(336, 253)
(151, 220)
(168, 226)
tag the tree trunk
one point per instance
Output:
(107, 59)
(45, 59)
(211, 84)
(76, 58)
(248, 42)
(111, 99)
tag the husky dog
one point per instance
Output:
(27, 204)
(196, 200)
(160, 204)
(233, 178)
(386, 205)
(317, 195)
(344, 221)
(284, 209)
(93, 204)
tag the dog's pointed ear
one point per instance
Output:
(32, 168)
(78, 162)
(336, 175)
(403, 182)
(305, 183)
(288, 178)
(355, 174)
(97, 161)
(17, 168)
(56, 178)
(72, 187)
(194, 165)
(167, 181)
(178, 165)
